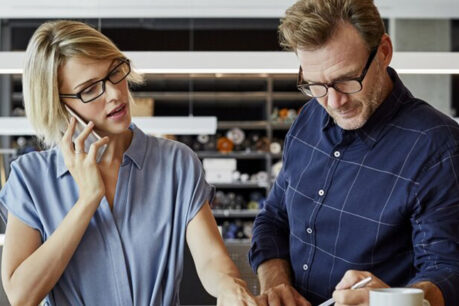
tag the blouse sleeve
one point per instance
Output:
(194, 190)
(16, 199)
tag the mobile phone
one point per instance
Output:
(92, 137)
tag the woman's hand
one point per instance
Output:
(234, 292)
(83, 165)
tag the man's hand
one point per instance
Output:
(343, 295)
(282, 295)
(274, 276)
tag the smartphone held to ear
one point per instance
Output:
(92, 137)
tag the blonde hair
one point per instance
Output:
(309, 24)
(50, 46)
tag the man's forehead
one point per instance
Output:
(327, 66)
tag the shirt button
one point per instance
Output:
(309, 230)
(337, 154)
(321, 192)
(305, 267)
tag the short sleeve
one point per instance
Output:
(194, 189)
(15, 198)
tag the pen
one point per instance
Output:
(357, 285)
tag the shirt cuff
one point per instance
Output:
(263, 249)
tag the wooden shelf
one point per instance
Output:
(235, 213)
(240, 185)
(237, 155)
(247, 125)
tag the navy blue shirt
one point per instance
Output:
(383, 198)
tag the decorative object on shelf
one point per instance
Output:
(244, 177)
(224, 145)
(18, 112)
(275, 169)
(236, 176)
(262, 144)
(284, 115)
(275, 148)
(203, 139)
(25, 145)
(237, 229)
(275, 114)
(261, 177)
(142, 107)
(219, 170)
(236, 135)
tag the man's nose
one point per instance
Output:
(336, 99)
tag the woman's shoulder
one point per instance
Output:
(37, 161)
(171, 148)
(170, 156)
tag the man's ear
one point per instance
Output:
(386, 50)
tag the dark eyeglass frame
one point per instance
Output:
(302, 86)
(103, 80)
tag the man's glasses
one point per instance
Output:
(350, 86)
(97, 89)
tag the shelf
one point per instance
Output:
(280, 126)
(237, 155)
(235, 213)
(150, 125)
(266, 62)
(247, 125)
(204, 96)
(289, 96)
(240, 185)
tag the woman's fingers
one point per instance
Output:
(66, 142)
(94, 148)
(80, 140)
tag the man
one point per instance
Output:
(369, 183)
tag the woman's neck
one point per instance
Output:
(117, 145)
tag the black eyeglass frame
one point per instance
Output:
(103, 80)
(301, 86)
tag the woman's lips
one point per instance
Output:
(118, 113)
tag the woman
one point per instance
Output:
(113, 232)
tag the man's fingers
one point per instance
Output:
(273, 299)
(351, 297)
(287, 297)
(262, 300)
(350, 278)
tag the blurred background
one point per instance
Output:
(218, 79)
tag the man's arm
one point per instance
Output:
(272, 273)
(275, 284)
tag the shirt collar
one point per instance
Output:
(136, 151)
(371, 131)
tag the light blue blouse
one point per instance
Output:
(132, 255)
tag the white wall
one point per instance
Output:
(204, 8)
